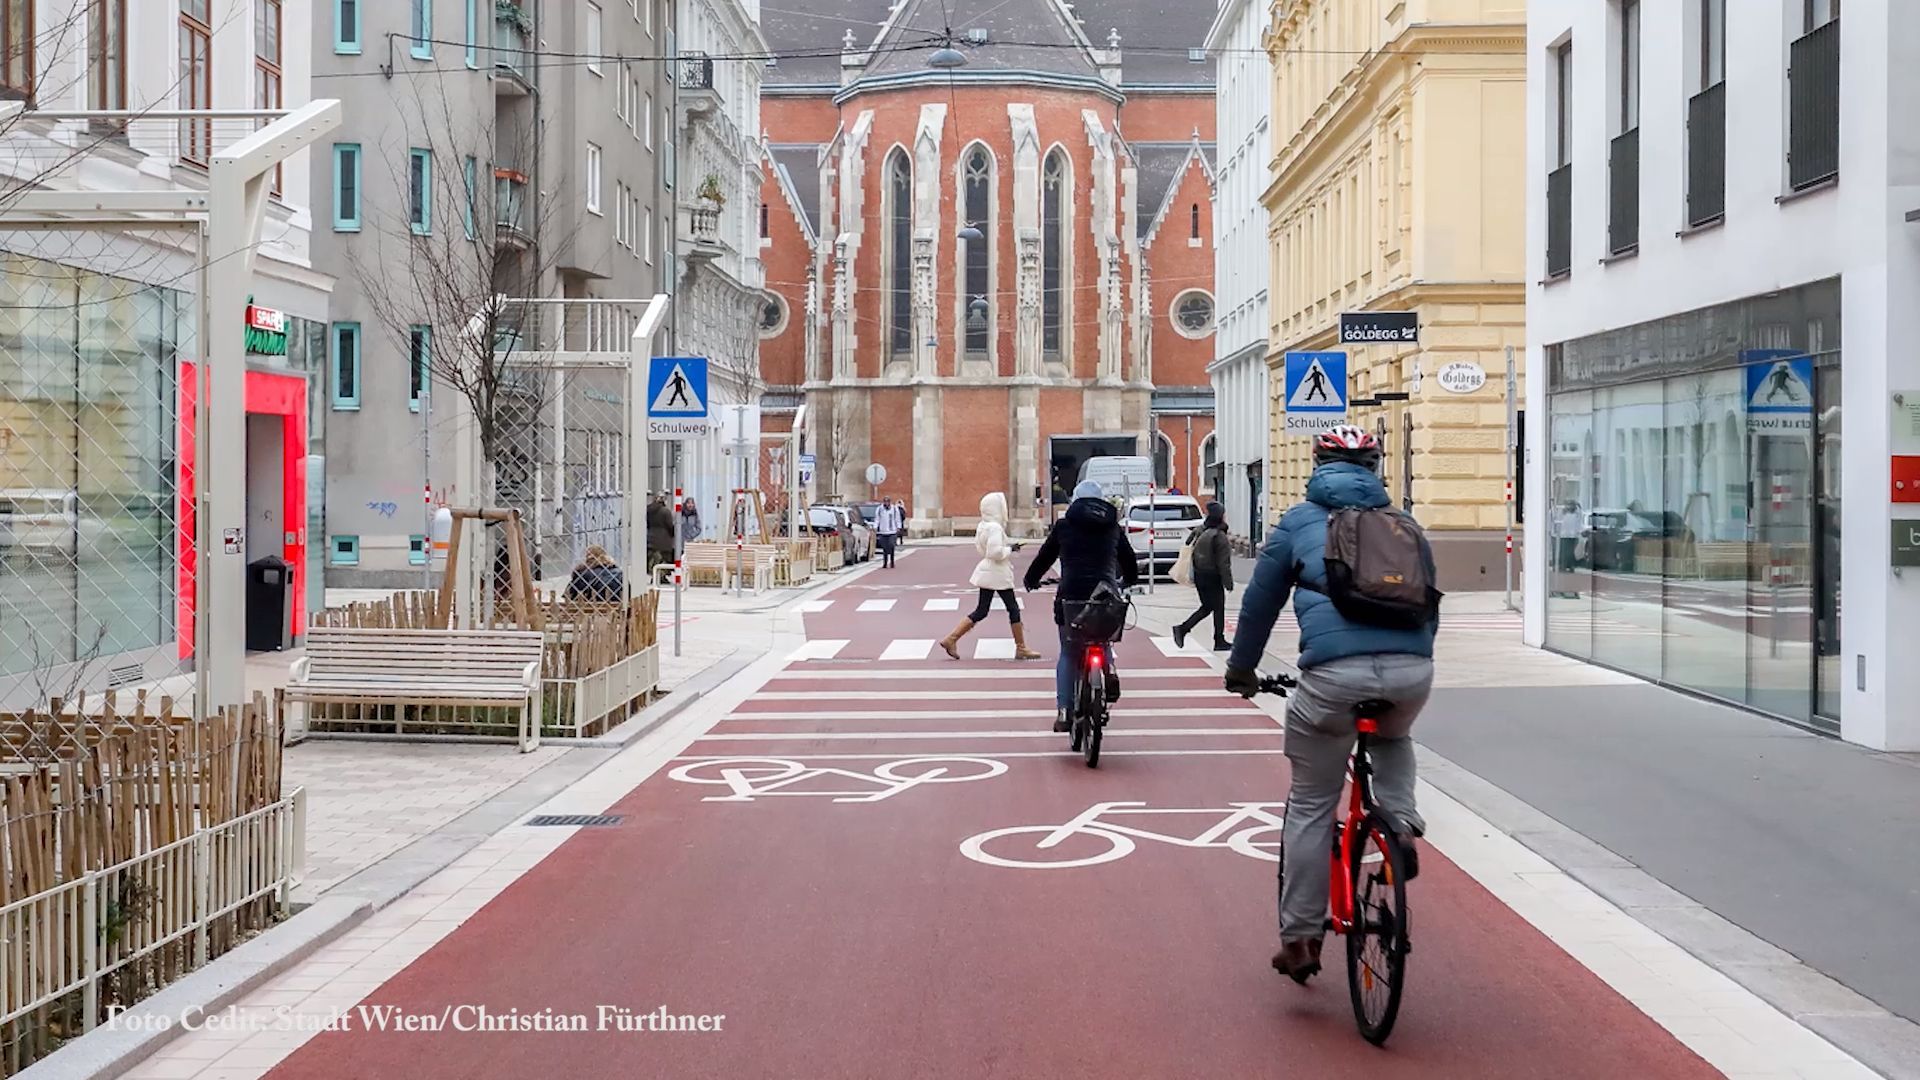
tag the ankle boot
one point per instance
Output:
(951, 642)
(1020, 650)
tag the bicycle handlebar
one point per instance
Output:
(1278, 684)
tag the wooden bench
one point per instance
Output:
(487, 669)
(712, 563)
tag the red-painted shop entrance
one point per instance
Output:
(272, 396)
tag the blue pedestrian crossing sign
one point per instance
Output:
(1779, 389)
(677, 398)
(1316, 391)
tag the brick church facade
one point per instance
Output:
(976, 275)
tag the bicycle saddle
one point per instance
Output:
(1372, 709)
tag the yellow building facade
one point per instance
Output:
(1398, 184)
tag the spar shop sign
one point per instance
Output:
(266, 330)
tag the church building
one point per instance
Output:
(988, 245)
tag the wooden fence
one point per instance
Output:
(135, 845)
(600, 663)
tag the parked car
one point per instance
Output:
(1611, 539)
(856, 539)
(1158, 529)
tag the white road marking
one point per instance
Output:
(750, 777)
(993, 648)
(818, 649)
(877, 605)
(962, 695)
(907, 648)
(1167, 647)
(1112, 733)
(1004, 754)
(982, 714)
(811, 607)
(943, 603)
(1038, 671)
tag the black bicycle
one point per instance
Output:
(1368, 898)
(1096, 689)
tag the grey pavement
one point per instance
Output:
(1802, 840)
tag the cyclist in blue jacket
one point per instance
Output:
(1342, 663)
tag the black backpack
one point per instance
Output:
(1377, 569)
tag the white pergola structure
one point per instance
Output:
(231, 213)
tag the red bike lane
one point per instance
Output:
(817, 868)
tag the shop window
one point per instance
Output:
(344, 551)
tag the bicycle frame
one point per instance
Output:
(1348, 837)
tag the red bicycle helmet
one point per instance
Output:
(1347, 443)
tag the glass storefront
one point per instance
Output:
(87, 415)
(1694, 486)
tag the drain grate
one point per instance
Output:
(587, 820)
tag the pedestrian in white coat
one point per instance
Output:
(992, 576)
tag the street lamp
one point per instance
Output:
(947, 58)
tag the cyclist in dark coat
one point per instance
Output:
(1091, 548)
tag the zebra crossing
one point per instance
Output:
(974, 648)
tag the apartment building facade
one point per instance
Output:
(520, 148)
(1724, 240)
(1243, 103)
(1399, 138)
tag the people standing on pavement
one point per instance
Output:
(1212, 578)
(993, 576)
(1363, 638)
(597, 580)
(689, 520)
(1092, 549)
(659, 533)
(887, 521)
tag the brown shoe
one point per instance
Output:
(951, 643)
(1020, 650)
(1298, 959)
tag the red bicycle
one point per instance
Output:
(1368, 898)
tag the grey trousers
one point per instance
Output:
(1320, 736)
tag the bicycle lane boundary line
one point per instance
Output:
(1711, 1011)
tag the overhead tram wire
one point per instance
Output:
(930, 42)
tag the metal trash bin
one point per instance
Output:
(269, 605)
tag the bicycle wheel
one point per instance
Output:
(1377, 945)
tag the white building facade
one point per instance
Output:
(99, 330)
(1724, 240)
(721, 282)
(1243, 102)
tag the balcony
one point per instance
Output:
(1813, 136)
(1623, 194)
(1707, 156)
(698, 96)
(703, 239)
(512, 224)
(512, 49)
(1560, 221)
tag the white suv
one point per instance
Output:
(1159, 528)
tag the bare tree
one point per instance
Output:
(456, 255)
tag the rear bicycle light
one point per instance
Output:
(1094, 658)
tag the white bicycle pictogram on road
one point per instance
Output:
(1252, 829)
(752, 778)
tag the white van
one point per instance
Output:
(1119, 478)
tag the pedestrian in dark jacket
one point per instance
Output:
(1212, 578)
(597, 580)
(659, 533)
(1091, 548)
